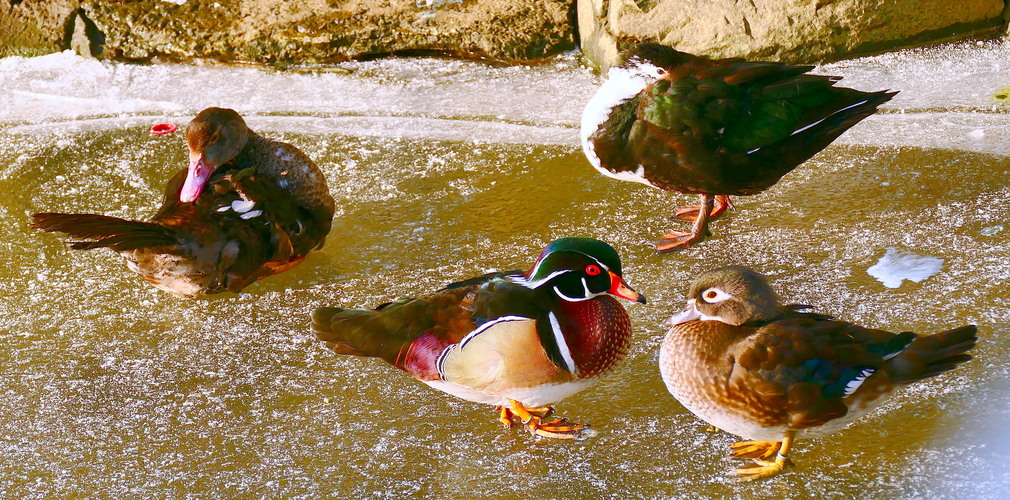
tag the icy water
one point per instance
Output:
(443, 170)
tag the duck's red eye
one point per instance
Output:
(592, 270)
(711, 294)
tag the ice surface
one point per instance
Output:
(898, 265)
(443, 170)
(945, 100)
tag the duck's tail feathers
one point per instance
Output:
(866, 104)
(931, 355)
(98, 231)
(329, 328)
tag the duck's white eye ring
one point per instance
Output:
(660, 71)
(714, 295)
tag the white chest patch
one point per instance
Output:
(636, 176)
(620, 86)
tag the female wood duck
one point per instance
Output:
(770, 373)
(512, 339)
(247, 207)
(680, 122)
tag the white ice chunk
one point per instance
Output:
(899, 265)
(977, 133)
(991, 230)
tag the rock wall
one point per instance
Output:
(325, 31)
(35, 27)
(786, 30)
(294, 31)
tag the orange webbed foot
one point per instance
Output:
(508, 418)
(761, 450)
(675, 240)
(761, 469)
(533, 419)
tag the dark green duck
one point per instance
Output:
(713, 127)
(516, 340)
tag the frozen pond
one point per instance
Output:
(443, 170)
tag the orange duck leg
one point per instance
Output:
(675, 240)
(690, 212)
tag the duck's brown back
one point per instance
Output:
(259, 214)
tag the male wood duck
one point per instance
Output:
(247, 207)
(516, 340)
(770, 373)
(713, 127)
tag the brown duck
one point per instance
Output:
(770, 373)
(247, 207)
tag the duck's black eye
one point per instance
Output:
(592, 270)
(660, 71)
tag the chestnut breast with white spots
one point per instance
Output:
(598, 334)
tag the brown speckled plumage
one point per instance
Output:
(746, 364)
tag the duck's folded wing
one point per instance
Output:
(805, 368)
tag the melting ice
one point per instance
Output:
(899, 265)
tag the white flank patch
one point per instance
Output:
(857, 382)
(559, 338)
(242, 206)
(899, 265)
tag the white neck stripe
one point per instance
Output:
(569, 299)
(559, 338)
